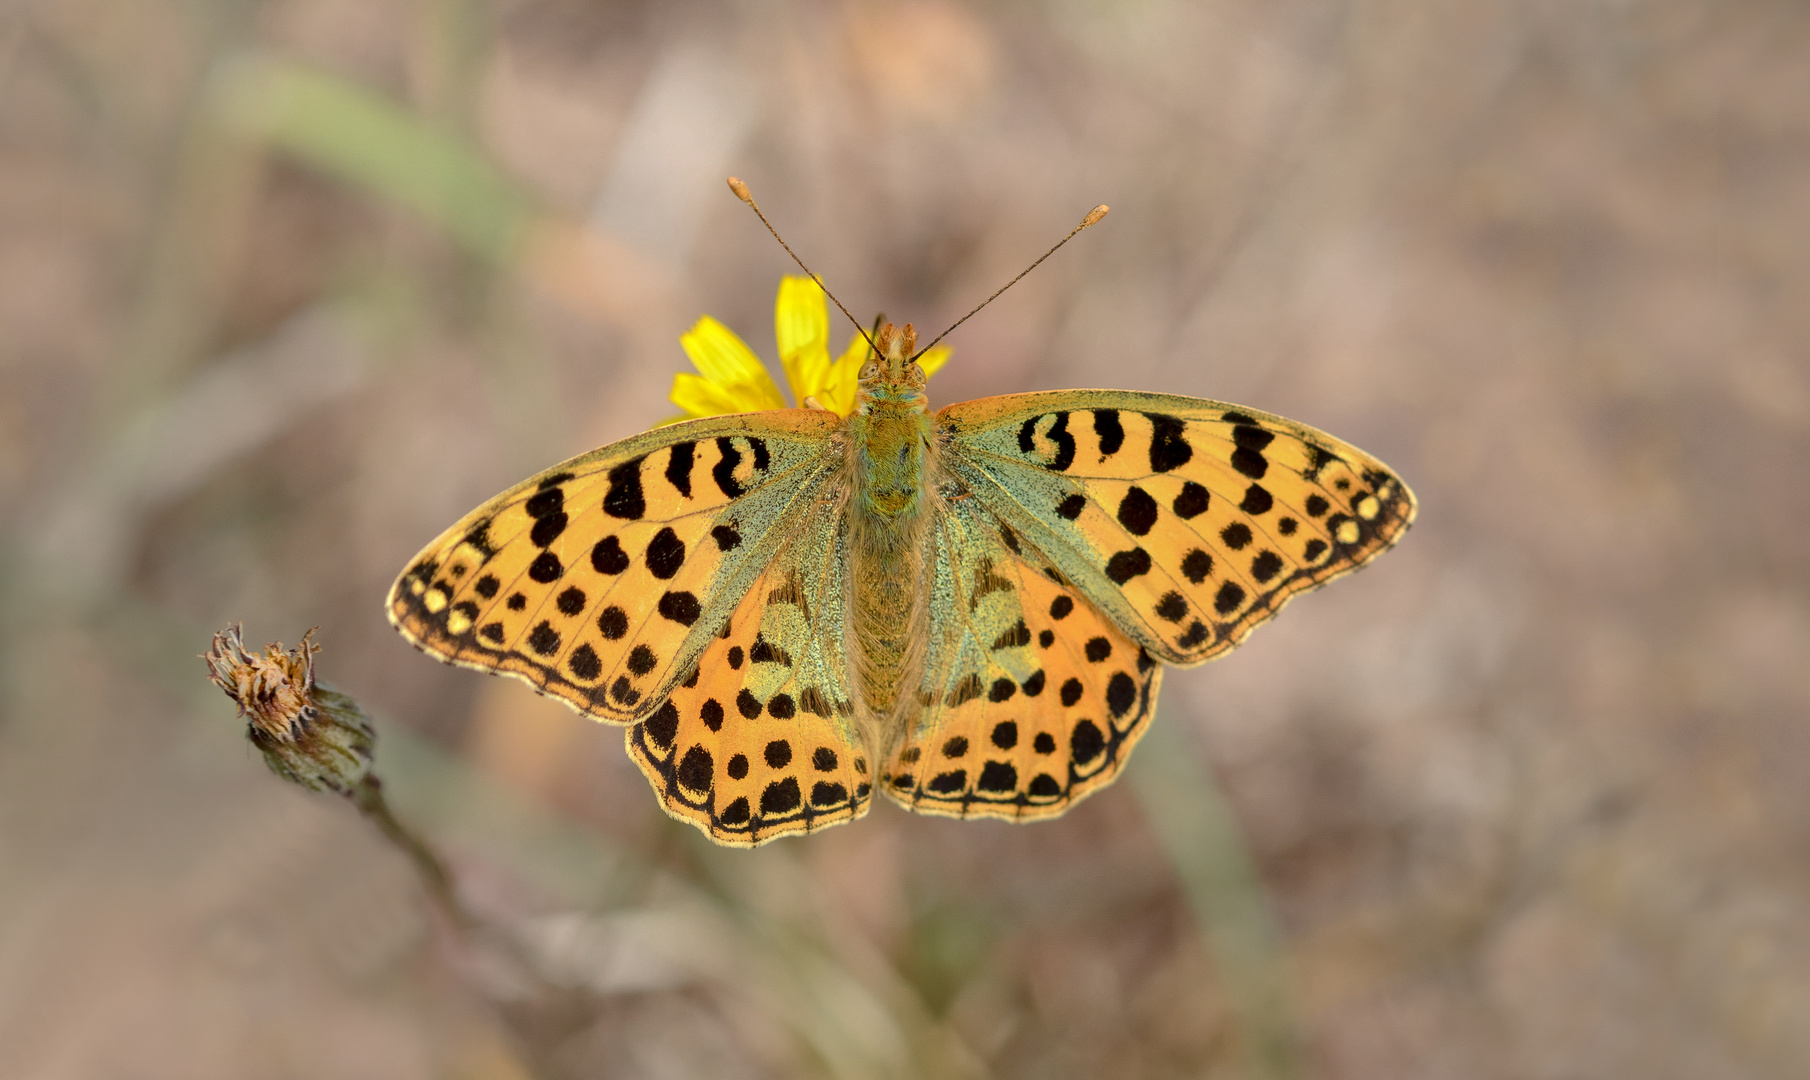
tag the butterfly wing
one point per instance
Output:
(1030, 699)
(761, 740)
(1187, 522)
(601, 580)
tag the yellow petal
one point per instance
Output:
(802, 325)
(734, 379)
(838, 393)
(933, 359)
(701, 397)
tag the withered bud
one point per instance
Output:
(309, 735)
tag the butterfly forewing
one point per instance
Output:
(760, 740)
(1031, 698)
(602, 579)
(1189, 522)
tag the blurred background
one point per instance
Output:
(287, 286)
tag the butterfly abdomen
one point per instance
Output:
(887, 459)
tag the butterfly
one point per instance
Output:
(969, 610)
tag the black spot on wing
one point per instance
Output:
(547, 529)
(1065, 444)
(997, 776)
(1125, 565)
(678, 467)
(723, 472)
(1137, 511)
(949, 783)
(1121, 694)
(1169, 448)
(1265, 566)
(663, 725)
(543, 639)
(1248, 457)
(1109, 431)
(1191, 502)
(780, 797)
(680, 607)
(1197, 566)
(607, 557)
(586, 665)
(1086, 742)
(625, 499)
(546, 502)
(665, 554)
(695, 769)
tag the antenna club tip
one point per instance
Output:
(1093, 216)
(741, 190)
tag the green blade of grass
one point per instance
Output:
(1201, 837)
(362, 137)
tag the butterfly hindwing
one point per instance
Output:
(1031, 699)
(601, 579)
(1189, 522)
(760, 740)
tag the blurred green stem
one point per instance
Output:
(368, 797)
(1198, 831)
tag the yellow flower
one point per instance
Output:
(731, 378)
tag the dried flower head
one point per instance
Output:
(310, 735)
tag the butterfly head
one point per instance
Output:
(892, 375)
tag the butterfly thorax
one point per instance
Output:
(890, 438)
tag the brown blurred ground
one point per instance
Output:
(1531, 796)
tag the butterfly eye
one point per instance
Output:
(870, 371)
(914, 372)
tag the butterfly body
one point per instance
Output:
(967, 610)
(891, 445)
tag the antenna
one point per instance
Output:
(742, 193)
(1093, 218)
